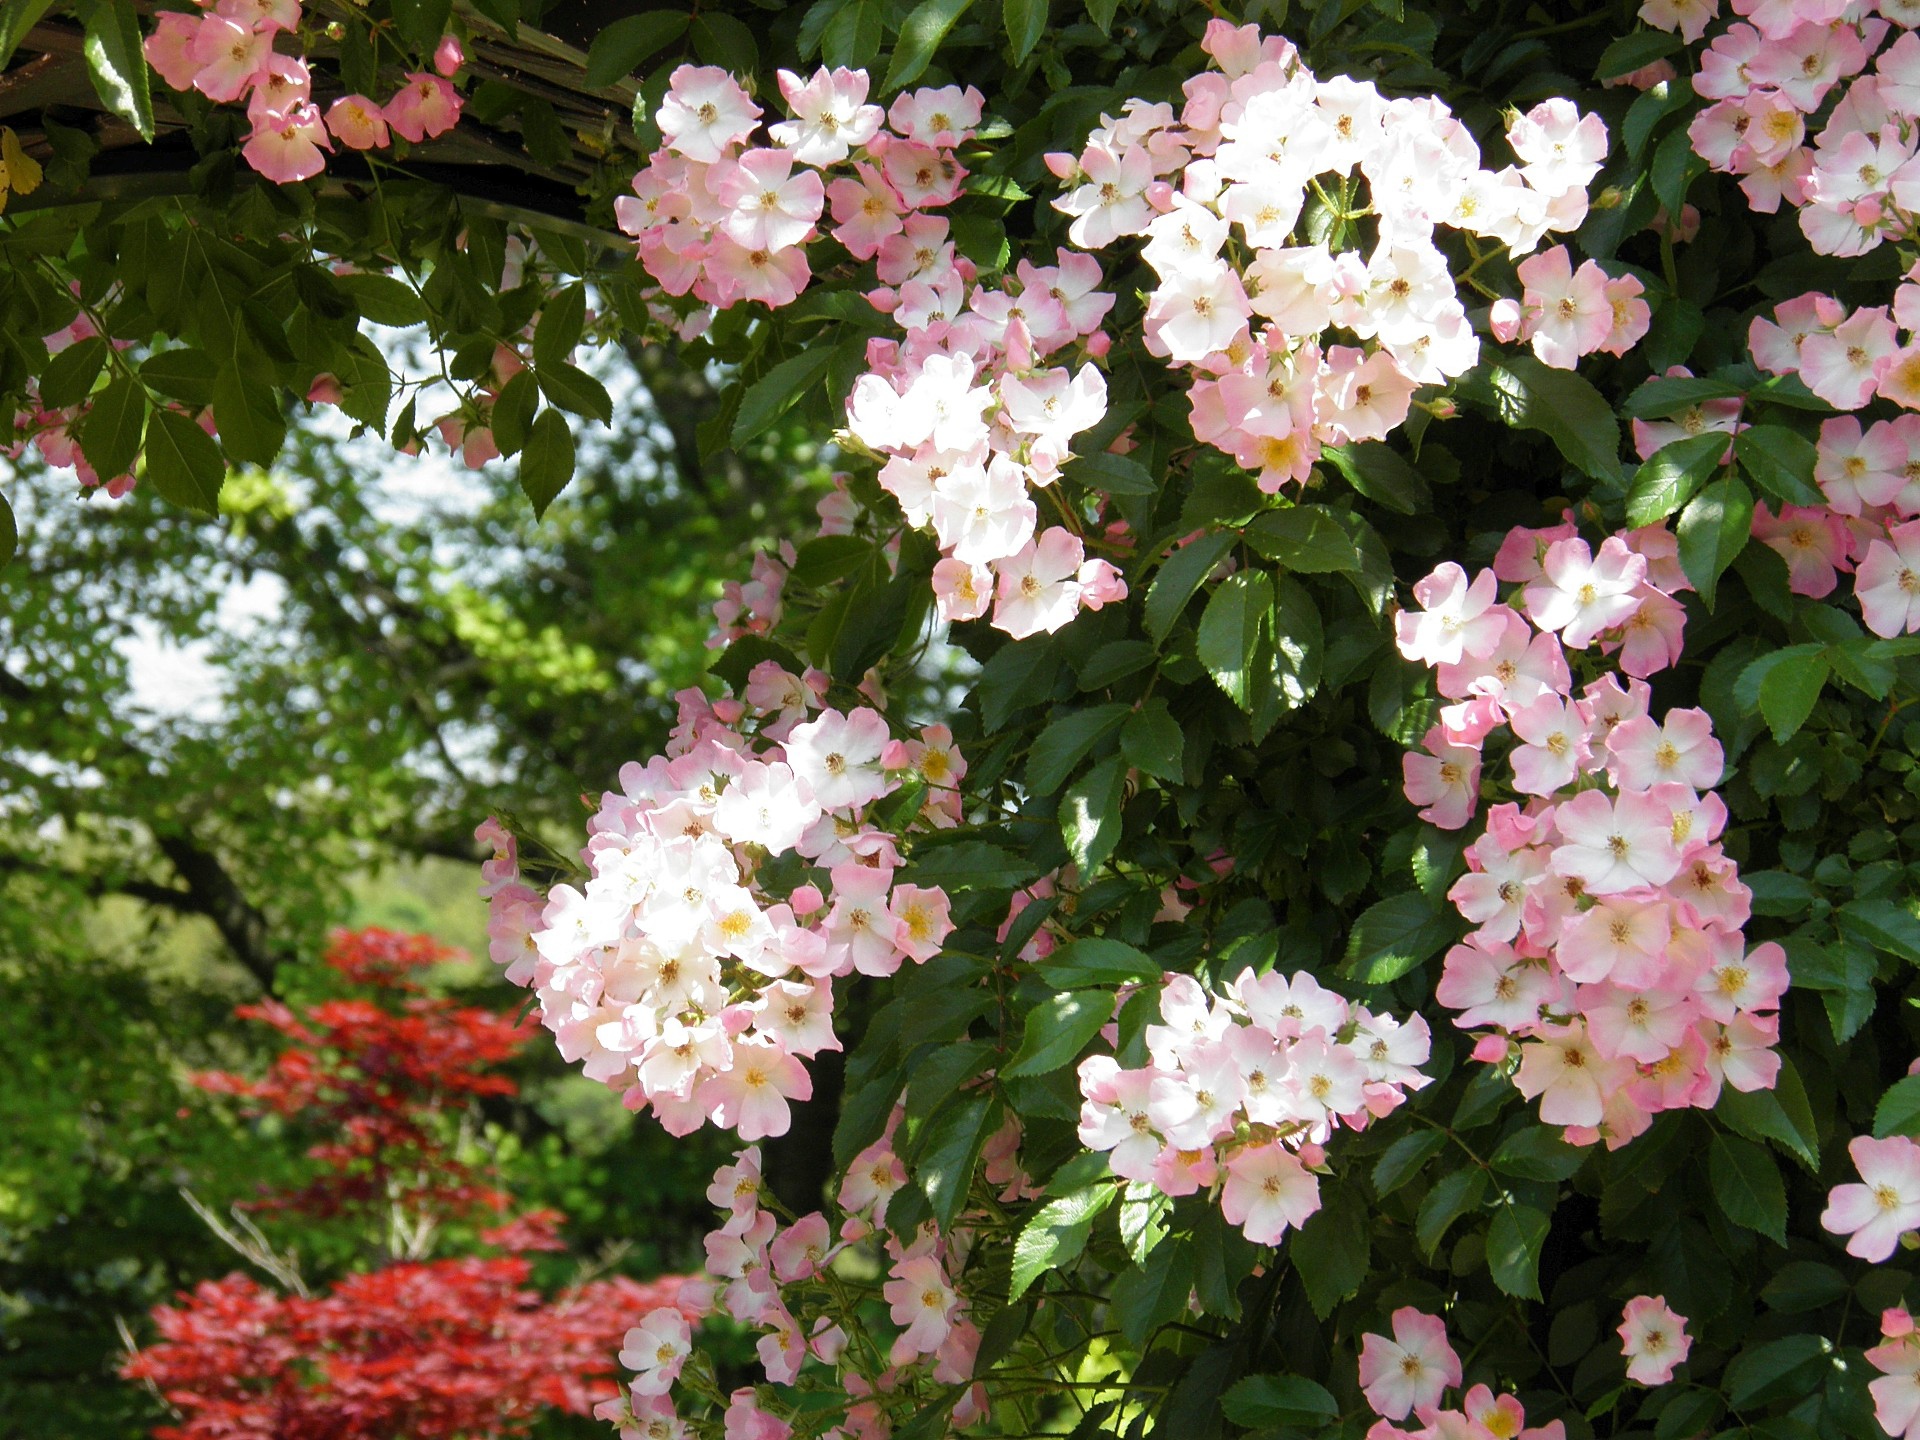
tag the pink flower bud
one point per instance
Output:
(449, 57)
(805, 900)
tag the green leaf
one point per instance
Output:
(1331, 1254)
(971, 865)
(1143, 1210)
(1263, 1401)
(1780, 461)
(1450, 1198)
(9, 533)
(852, 38)
(1066, 741)
(721, 39)
(1561, 405)
(513, 412)
(1101, 12)
(110, 432)
(920, 36)
(1378, 472)
(1635, 52)
(1747, 1186)
(1114, 474)
(1230, 632)
(69, 376)
(1114, 661)
(1026, 22)
(1056, 1235)
(1713, 529)
(546, 463)
(1671, 475)
(1057, 1030)
(1777, 1369)
(182, 374)
(1305, 539)
(1803, 1285)
(183, 463)
(422, 22)
(1179, 576)
(775, 392)
(248, 417)
(1153, 741)
(1153, 1291)
(573, 389)
(827, 558)
(1788, 691)
(1898, 1112)
(1883, 925)
(619, 49)
(1097, 960)
(17, 17)
(1664, 396)
(1090, 814)
(562, 319)
(948, 1149)
(1538, 1153)
(1403, 1159)
(1675, 167)
(1649, 109)
(117, 64)
(383, 299)
(1394, 935)
(1513, 1249)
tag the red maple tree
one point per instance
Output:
(421, 1349)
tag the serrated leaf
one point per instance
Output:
(1780, 461)
(1090, 814)
(17, 17)
(1067, 740)
(546, 461)
(1788, 692)
(383, 299)
(1671, 476)
(1883, 925)
(1538, 1153)
(1154, 1291)
(1394, 935)
(571, 388)
(1305, 539)
(69, 376)
(1561, 405)
(562, 319)
(852, 37)
(182, 374)
(1026, 22)
(1713, 529)
(1230, 630)
(1898, 1112)
(1451, 1197)
(1378, 472)
(1635, 52)
(949, 1148)
(111, 430)
(1774, 1370)
(1057, 1030)
(1113, 474)
(1747, 1186)
(1403, 1159)
(1513, 1249)
(183, 463)
(1143, 1208)
(1263, 1401)
(920, 35)
(1153, 741)
(619, 48)
(1098, 960)
(1179, 576)
(1056, 1235)
(971, 865)
(776, 392)
(1331, 1253)
(117, 65)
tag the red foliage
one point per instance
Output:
(411, 1351)
(442, 1349)
(375, 1077)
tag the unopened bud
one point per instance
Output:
(1610, 198)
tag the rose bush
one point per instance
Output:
(1246, 402)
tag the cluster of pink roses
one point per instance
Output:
(53, 429)
(1771, 75)
(673, 973)
(1259, 144)
(962, 409)
(1410, 1373)
(774, 1278)
(1565, 313)
(1609, 940)
(1243, 1091)
(226, 52)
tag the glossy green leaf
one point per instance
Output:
(1154, 1291)
(948, 1149)
(1898, 1112)
(1306, 539)
(1026, 22)
(1153, 741)
(1230, 632)
(116, 63)
(1747, 1186)
(17, 17)
(546, 462)
(1671, 476)
(571, 388)
(1513, 1249)
(1057, 1030)
(1056, 1234)
(925, 27)
(1394, 935)
(1559, 404)
(1713, 529)
(1099, 960)
(1179, 576)
(1262, 1401)
(1883, 925)
(1090, 814)
(1378, 472)
(183, 463)
(1331, 1251)
(620, 48)
(111, 431)
(9, 533)
(1780, 461)
(562, 319)
(1066, 741)
(776, 392)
